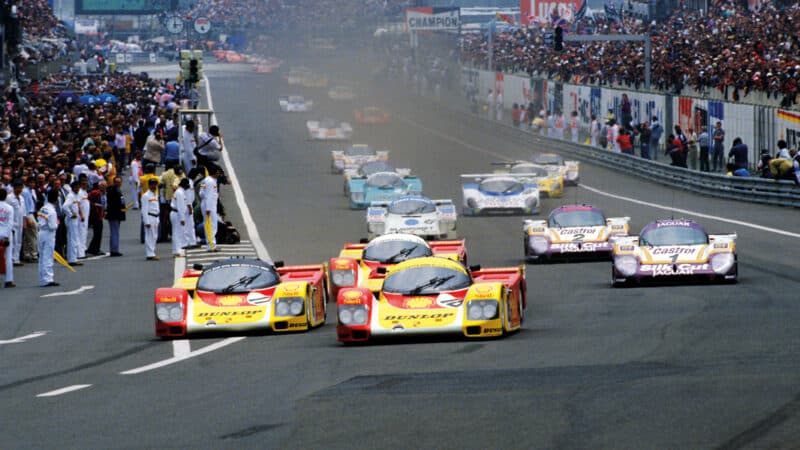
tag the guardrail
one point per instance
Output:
(758, 190)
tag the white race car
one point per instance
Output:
(341, 93)
(499, 193)
(413, 214)
(329, 129)
(295, 103)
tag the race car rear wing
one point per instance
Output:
(727, 237)
(505, 275)
(300, 273)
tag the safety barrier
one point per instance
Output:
(758, 190)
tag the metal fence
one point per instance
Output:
(758, 190)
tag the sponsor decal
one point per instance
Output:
(297, 325)
(670, 269)
(442, 315)
(448, 301)
(584, 231)
(411, 222)
(719, 245)
(246, 312)
(673, 223)
(229, 300)
(255, 298)
(168, 299)
(351, 295)
(418, 302)
(626, 248)
(577, 248)
(341, 264)
(673, 251)
(492, 330)
(536, 230)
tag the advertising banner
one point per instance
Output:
(549, 12)
(431, 18)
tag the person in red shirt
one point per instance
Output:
(624, 141)
(515, 115)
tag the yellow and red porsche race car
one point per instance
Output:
(240, 294)
(371, 115)
(357, 264)
(431, 295)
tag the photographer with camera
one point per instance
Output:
(209, 148)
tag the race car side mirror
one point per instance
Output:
(381, 270)
(474, 268)
(197, 266)
(277, 264)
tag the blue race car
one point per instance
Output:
(499, 193)
(382, 187)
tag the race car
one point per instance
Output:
(367, 169)
(329, 129)
(229, 56)
(315, 80)
(674, 250)
(413, 214)
(242, 294)
(572, 232)
(371, 115)
(354, 156)
(429, 296)
(548, 179)
(266, 65)
(499, 193)
(341, 93)
(295, 103)
(382, 187)
(570, 170)
(357, 264)
(297, 75)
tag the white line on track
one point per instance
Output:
(607, 194)
(64, 390)
(181, 348)
(74, 292)
(175, 359)
(18, 340)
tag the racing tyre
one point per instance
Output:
(616, 283)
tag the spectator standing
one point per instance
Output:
(656, 131)
(625, 112)
(172, 154)
(179, 216)
(209, 195)
(133, 178)
(72, 212)
(189, 232)
(523, 117)
(153, 148)
(693, 153)
(594, 132)
(86, 206)
(115, 214)
(140, 135)
(704, 143)
(188, 142)
(612, 133)
(7, 237)
(574, 127)
(17, 202)
(675, 151)
(559, 125)
(210, 147)
(47, 219)
(97, 213)
(150, 219)
(624, 142)
(490, 104)
(645, 135)
(515, 115)
(739, 154)
(498, 105)
(718, 150)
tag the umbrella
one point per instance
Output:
(108, 98)
(67, 97)
(88, 99)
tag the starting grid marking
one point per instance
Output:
(244, 249)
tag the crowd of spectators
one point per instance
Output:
(730, 48)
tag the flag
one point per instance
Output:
(506, 18)
(581, 12)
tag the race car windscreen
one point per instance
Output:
(411, 206)
(426, 280)
(328, 123)
(231, 278)
(500, 186)
(374, 167)
(360, 150)
(536, 171)
(582, 218)
(296, 99)
(676, 235)
(395, 251)
(548, 159)
(385, 180)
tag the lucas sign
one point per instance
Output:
(430, 18)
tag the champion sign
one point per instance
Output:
(429, 18)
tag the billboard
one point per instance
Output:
(121, 6)
(433, 18)
(548, 12)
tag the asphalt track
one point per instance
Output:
(594, 367)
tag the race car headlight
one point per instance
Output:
(539, 244)
(472, 203)
(343, 277)
(626, 265)
(353, 315)
(289, 306)
(169, 312)
(482, 310)
(532, 202)
(556, 186)
(721, 263)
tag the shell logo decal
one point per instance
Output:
(341, 264)
(418, 302)
(229, 300)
